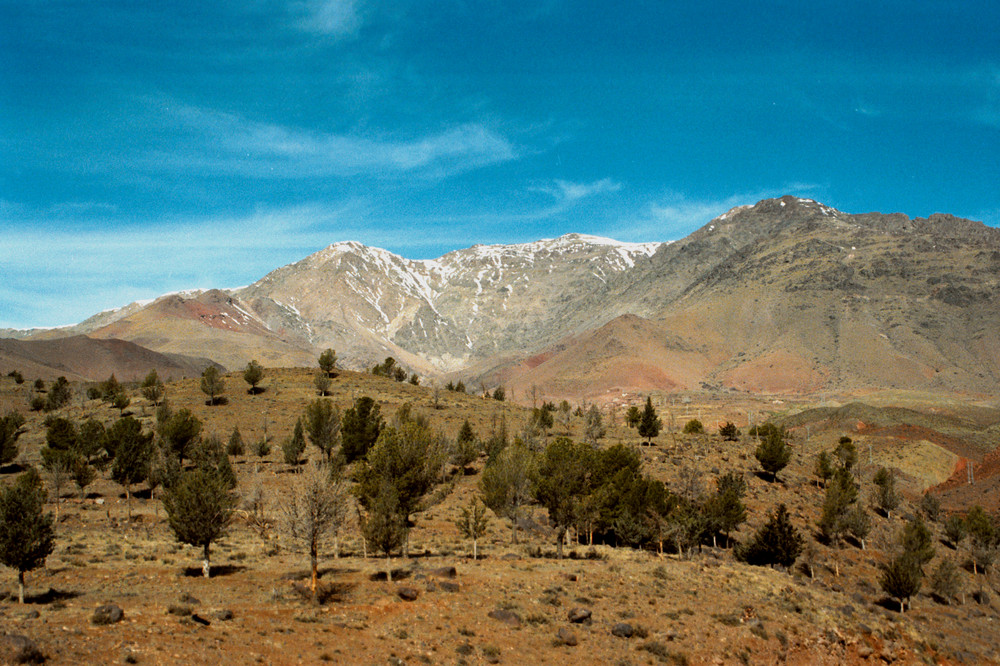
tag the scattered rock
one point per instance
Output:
(449, 586)
(566, 636)
(397, 575)
(200, 620)
(572, 577)
(444, 572)
(579, 616)
(465, 649)
(865, 651)
(17, 649)
(408, 593)
(31, 615)
(622, 630)
(224, 615)
(431, 586)
(108, 614)
(509, 618)
(190, 600)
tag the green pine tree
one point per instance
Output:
(199, 508)
(776, 542)
(27, 536)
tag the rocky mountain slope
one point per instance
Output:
(787, 295)
(793, 296)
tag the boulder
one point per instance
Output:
(18, 649)
(622, 630)
(408, 593)
(108, 614)
(509, 618)
(566, 636)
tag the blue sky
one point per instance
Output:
(145, 149)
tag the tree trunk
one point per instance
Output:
(205, 564)
(128, 501)
(513, 527)
(902, 608)
(559, 542)
(388, 567)
(475, 552)
(314, 561)
(20, 587)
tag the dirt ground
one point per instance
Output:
(512, 606)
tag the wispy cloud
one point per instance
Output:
(571, 192)
(338, 18)
(227, 144)
(567, 194)
(84, 267)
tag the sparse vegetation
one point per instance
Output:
(634, 506)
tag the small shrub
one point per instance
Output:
(536, 619)
(235, 445)
(694, 427)
(664, 654)
(931, 506)
(261, 448)
(946, 582)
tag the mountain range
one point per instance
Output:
(785, 296)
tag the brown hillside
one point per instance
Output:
(83, 358)
(213, 325)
